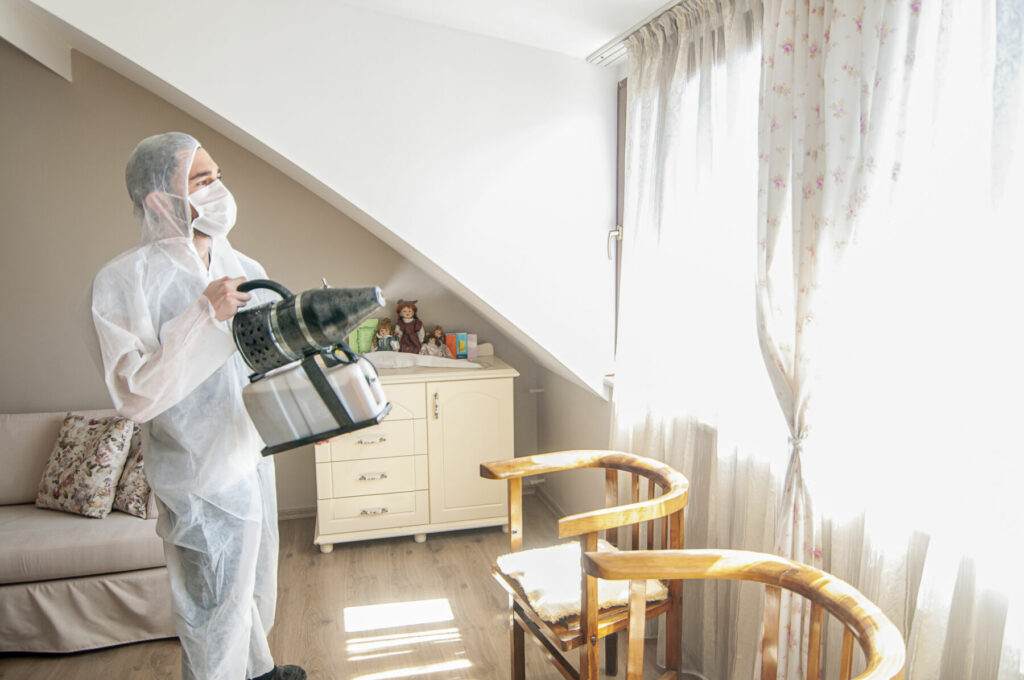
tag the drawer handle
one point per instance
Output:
(379, 440)
(437, 406)
(373, 511)
(372, 476)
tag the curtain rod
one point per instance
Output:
(615, 49)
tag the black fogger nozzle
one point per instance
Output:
(273, 334)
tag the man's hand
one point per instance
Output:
(223, 294)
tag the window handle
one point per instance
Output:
(614, 236)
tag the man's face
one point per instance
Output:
(203, 171)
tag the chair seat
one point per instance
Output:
(550, 579)
(567, 634)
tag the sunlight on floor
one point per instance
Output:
(367, 645)
(394, 642)
(395, 614)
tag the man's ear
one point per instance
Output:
(161, 204)
(157, 202)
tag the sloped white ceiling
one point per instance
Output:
(572, 27)
(489, 164)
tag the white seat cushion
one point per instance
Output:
(551, 577)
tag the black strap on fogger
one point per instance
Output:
(326, 392)
(338, 354)
(347, 351)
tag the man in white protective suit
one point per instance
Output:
(162, 313)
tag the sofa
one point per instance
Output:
(68, 582)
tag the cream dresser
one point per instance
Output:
(418, 471)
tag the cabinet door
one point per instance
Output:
(469, 422)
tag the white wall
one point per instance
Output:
(488, 164)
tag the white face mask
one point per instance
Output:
(216, 209)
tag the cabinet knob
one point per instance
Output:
(437, 405)
(372, 476)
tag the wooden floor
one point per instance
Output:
(373, 610)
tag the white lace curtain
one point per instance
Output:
(866, 308)
(690, 385)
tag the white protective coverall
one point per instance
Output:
(168, 361)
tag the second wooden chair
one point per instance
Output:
(551, 597)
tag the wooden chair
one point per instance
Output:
(863, 621)
(661, 515)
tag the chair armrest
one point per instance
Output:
(675, 497)
(541, 463)
(670, 502)
(878, 637)
(741, 565)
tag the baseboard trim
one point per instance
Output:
(296, 513)
(544, 497)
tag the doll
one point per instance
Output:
(431, 348)
(384, 341)
(437, 335)
(410, 327)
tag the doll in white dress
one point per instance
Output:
(435, 345)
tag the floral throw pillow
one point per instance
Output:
(132, 494)
(82, 473)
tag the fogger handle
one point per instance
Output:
(255, 284)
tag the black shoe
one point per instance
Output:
(288, 672)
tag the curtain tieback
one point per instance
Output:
(797, 443)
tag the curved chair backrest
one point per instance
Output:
(879, 639)
(674, 488)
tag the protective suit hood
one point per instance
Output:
(156, 176)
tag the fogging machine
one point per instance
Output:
(308, 385)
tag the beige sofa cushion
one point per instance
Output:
(42, 544)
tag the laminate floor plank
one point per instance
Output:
(370, 610)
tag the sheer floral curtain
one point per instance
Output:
(891, 328)
(833, 89)
(924, 362)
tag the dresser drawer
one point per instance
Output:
(371, 476)
(366, 513)
(390, 438)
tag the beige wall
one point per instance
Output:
(571, 418)
(64, 212)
